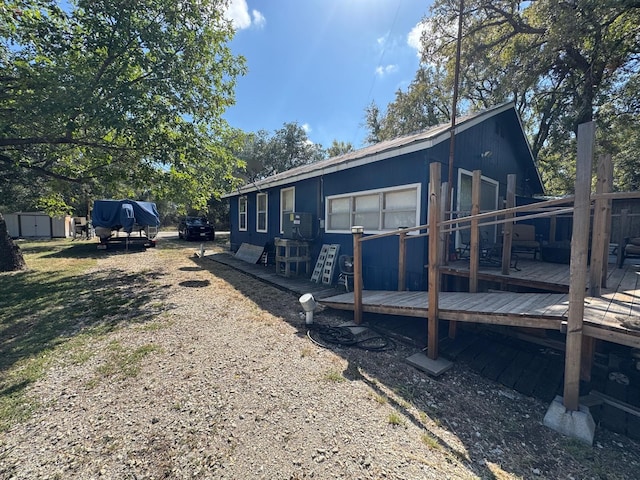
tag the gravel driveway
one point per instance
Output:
(231, 387)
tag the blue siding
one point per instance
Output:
(306, 200)
(499, 135)
(380, 257)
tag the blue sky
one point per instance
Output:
(321, 62)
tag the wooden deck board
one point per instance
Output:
(602, 318)
(538, 310)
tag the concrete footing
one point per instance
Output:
(432, 367)
(577, 424)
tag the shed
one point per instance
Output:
(38, 225)
(384, 187)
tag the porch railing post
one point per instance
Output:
(474, 250)
(507, 237)
(357, 232)
(608, 166)
(578, 265)
(435, 172)
(622, 233)
(599, 244)
(402, 258)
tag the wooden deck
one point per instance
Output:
(605, 317)
(551, 277)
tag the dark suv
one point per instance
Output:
(196, 228)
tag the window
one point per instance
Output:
(242, 214)
(287, 204)
(375, 210)
(261, 212)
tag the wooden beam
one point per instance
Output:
(578, 266)
(598, 234)
(608, 186)
(402, 259)
(357, 274)
(435, 172)
(621, 338)
(622, 233)
(445, 232)
(474, 248)
(507, 237)
(508, 320)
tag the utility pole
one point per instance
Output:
(452, 141)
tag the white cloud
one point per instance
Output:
(238, 13)
(258, 19)
(385, 70)
(414, 38)
(306, 127)
(438, 32)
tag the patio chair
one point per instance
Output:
(465, 241)
(524, 239)
(345, 263)
(80, 227)
(631, 248)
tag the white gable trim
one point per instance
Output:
(395, 148)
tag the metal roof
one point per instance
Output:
(373, 153)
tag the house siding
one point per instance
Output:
(496, 146)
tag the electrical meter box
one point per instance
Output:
(298, 226)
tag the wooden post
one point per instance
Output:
(622, 233)
(474, 249)
(402, 259)
(578, 266)
(599, 245)
(357, 274)
(508, 226)
(434, 258)
(445, 233)
(608, 166)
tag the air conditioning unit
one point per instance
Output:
(298, 226)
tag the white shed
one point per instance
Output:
(37, 225)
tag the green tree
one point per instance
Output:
(561, 61)
(425, 103)
(116, 98)
(338, 148)
(373, 118)
(287, 148)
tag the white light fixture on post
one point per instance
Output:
(308, 305)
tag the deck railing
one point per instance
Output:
(579, 206)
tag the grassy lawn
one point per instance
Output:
(53, 310)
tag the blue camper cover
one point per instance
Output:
(124, 214)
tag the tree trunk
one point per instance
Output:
(11, 258)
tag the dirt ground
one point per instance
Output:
(231, 384)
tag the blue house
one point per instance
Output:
(384, 187)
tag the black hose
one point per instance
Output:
(325, 336)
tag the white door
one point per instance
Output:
(35, 226)
(488, 201)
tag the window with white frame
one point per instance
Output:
(287, 204)
(242, 214)
(261, 212)
(375, 210)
